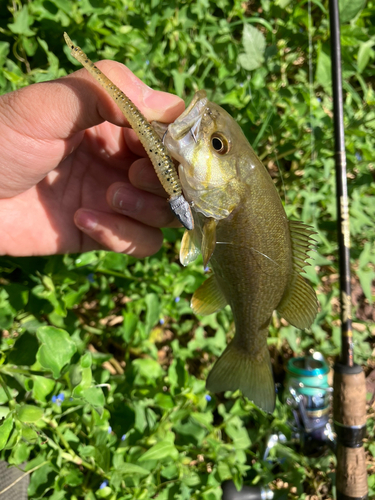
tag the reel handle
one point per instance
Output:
(349, 415)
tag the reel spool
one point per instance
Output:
(308, 394)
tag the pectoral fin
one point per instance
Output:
(189, 247)
(299, 304)
(208, 240)
(208, 298)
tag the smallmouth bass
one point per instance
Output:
(255, 252)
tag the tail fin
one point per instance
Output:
(235, 369)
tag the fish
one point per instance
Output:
(240, 226)
(161, 161)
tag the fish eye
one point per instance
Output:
(220, 143)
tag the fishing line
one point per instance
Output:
(313, 211)
(280, 170)
(311, 82)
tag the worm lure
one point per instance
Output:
(157, 152)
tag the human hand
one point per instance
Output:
(71, 178)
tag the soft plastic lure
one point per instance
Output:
(162, 162)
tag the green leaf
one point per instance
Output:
(366, 278)
(349, 9)
(18, 295)
(42, 387)
(56, 350)
(41, 480)
(20, 453)
(87, 258)
(364, 52)
(64, 5)
(29, 413)
(164, 449)
(6, 311)
(4, 51)
(74, 478)
(179, 81)
(5, 430)
(128, 469)
(24, 350)
(129, 326)
(152, 311)
(95, 397)
(22, 23)
(86, 375)
(147, 370)
(323, 69)
(239, 436)
(254, 44)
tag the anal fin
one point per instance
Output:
(208, 298)
(299, 304)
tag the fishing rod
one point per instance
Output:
(349, 387)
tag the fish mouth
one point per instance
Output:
(189, 120)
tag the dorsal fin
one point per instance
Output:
(208, 298)
(302, 242)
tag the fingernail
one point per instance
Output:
(126, 200)
(86, 220)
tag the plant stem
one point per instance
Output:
(11, 401)
(72, 456)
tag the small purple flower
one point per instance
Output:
(208, 397)
(103, 485)
(177, 299)
(90, 277)
(109, 429)
(206, 269)
(162, 321)
(61, 396)
(123, 437)
(358, 156)
(319, 99)
(54, 399)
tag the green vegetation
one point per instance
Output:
(103, 364)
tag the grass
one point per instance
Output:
(123, 412)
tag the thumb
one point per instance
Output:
(43, 123)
